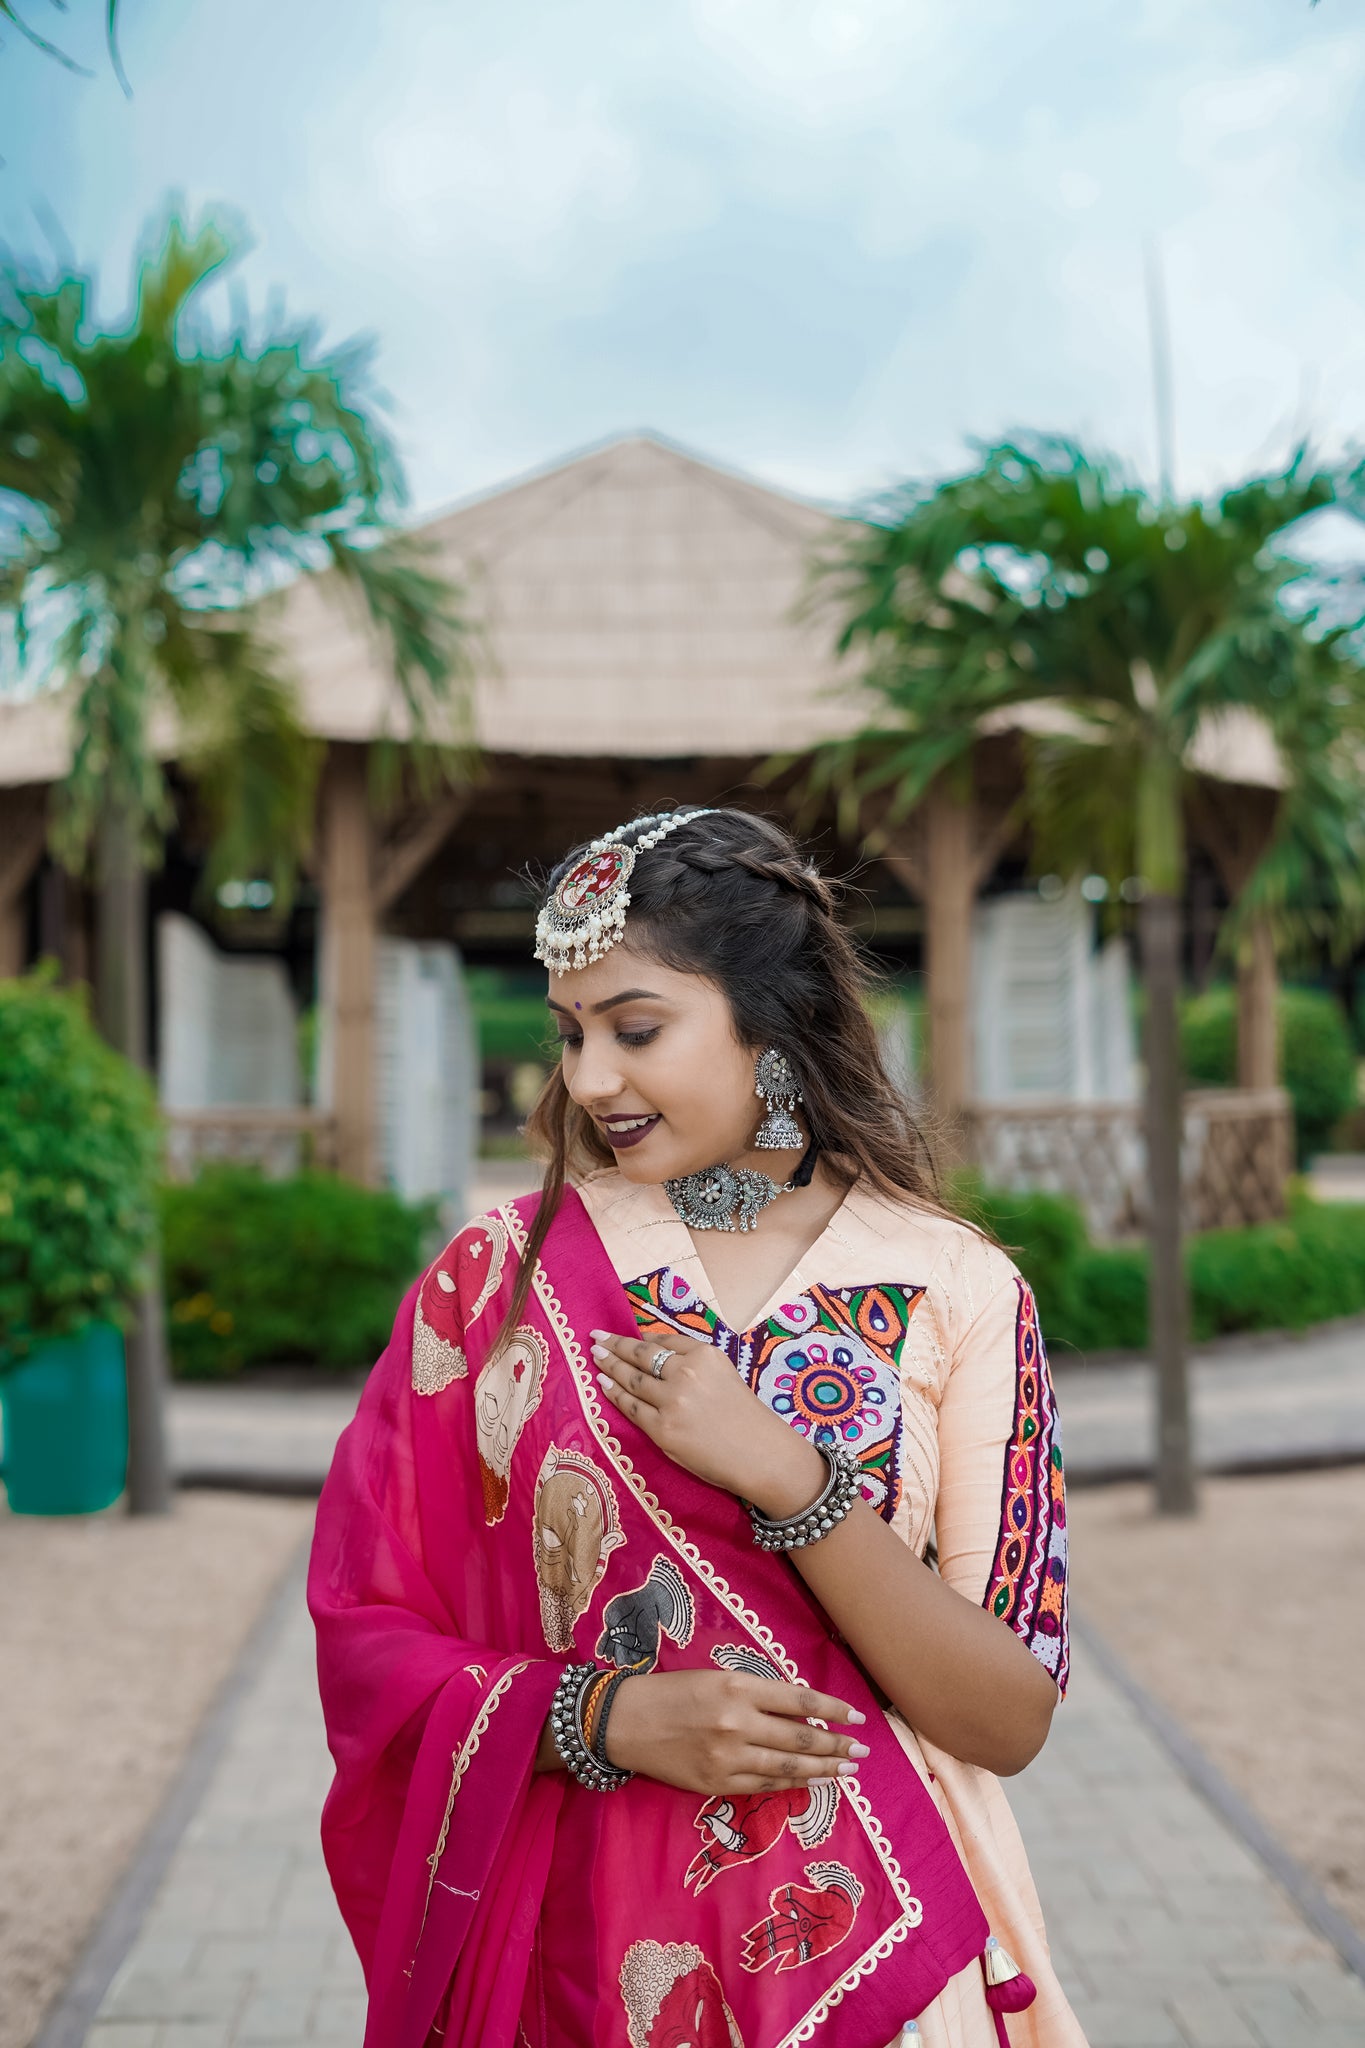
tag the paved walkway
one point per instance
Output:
(1167, 1932)
(1282, 1399)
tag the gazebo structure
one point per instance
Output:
(638, 641)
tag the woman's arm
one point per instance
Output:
(960, 1676)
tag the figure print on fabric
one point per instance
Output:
(469, 1269)
(507, 1391)
(438, 1358)
(1027, 1585)
(577, 1526)
(673, 1998)
(739, 1827)
(487, 1237)
(743, 1657)
(806, 1920)
(633, 1622)
(827, 1361)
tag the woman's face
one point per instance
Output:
(651, 1055)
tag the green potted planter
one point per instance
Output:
(79, 1162)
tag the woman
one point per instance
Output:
(696, 1560)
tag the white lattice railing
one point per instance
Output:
(279, 1141)
(1236, 1156)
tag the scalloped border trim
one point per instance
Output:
(913, 1910)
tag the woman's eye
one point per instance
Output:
(569, 1041)
(637, 1038)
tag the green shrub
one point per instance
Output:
(1309, 1268)
(513, 1023)
(1317, 1059)
(1280, 1276)
(1044, 1233)
(79, 1160)
(262, 1271)
(1105, 1305)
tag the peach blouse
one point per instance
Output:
(915, 1343)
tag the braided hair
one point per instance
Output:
(729, 895)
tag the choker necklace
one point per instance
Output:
(733, 1197)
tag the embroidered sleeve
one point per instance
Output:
(1001, 1512)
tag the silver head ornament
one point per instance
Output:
(586, 913)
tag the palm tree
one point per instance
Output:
(1044, 579)
(154, 481)
(12, 14)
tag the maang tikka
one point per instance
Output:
(776, 1083)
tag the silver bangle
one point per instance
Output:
(835, 1499)
(566, 1726)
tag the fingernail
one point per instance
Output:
(603, 1380)
(855, 1718)
(599, 1333)
(600, 1351)
(846, 1769)
(859, 1749)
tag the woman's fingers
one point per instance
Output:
(803, 1703)
(774, 1770)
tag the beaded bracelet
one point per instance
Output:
(566, 1725)
(836, 1497)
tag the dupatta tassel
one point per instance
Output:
(1007, 1987)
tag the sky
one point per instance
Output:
(828, 242)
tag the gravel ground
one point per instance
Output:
(1245, 1623)
(116, 1634)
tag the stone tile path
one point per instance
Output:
(1168, 1933)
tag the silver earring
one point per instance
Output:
(776, 1083)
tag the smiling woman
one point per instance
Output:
(759, 1528)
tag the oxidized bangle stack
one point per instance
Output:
(582, 1739)
(793, 1532)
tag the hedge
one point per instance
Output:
(264, 1271)
(80, 1145)
(1317, 1057)
(1306, 1269)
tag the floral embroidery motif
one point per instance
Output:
(805, 1921)
(507, 1392)
(827, 1362)
(1028, 1582)
(672, 1994)
(577, 1526)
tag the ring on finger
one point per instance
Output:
(658, 1362)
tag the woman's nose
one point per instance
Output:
(596, 1077)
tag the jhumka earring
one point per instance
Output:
(776, 1083)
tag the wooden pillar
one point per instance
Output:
(349, 957)
(950, 851)
(1258, 1052)
(23, 827)
(949, 894)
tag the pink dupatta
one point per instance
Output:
(488, 1520)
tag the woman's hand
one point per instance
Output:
(724, 1732)
(701, 1415)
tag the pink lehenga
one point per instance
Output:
(487, 1520)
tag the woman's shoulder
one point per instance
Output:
(959, 1268)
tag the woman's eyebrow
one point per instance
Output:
(629, 995)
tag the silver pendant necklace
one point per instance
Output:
(732, 1197)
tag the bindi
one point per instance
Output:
(578, 1006)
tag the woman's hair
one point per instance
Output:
(730, 896)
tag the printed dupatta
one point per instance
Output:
(487, 1520)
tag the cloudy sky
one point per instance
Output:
(827, 241)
